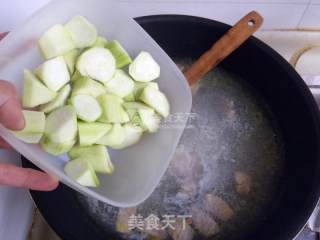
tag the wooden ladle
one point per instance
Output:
(229, 42)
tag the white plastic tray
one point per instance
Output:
(138, 169)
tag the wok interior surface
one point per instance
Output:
(251, 148)
(230, 155)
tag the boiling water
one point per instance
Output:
(230, 131)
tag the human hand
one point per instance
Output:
(11, 117)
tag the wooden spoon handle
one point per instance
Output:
(229, 42)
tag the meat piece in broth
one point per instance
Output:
(243, 182)
(123, 219)
(218, 207)
(181, 231)
(186, 167)
(204, 223)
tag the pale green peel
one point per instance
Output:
(119, 53)
(100, 42)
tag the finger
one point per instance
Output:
(26, 178)
(2, 35)
(4, 144)
(10, 108)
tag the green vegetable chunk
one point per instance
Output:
(112, 110)
(96, 155)
(156, 99)
(135, 105)
(97, 63)
(75, 76)
(149, 119)
(71, 59)
(34, 127)
(87, 107)
(134, 117)
(144, 68)
(61, 125)
(129, 97)
(121, 84)
(82, 172)
(88, 102)
(133, 134)
(54, 73)
(139, 86)
(100, 42)
(56, 41)
(90, 133)
(34, 92)
(119, 53)
(87, 86)
(59, 101)
(113, 137)
(29, 137)
(82, 32)
(56, 149)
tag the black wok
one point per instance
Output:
(283, 93)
